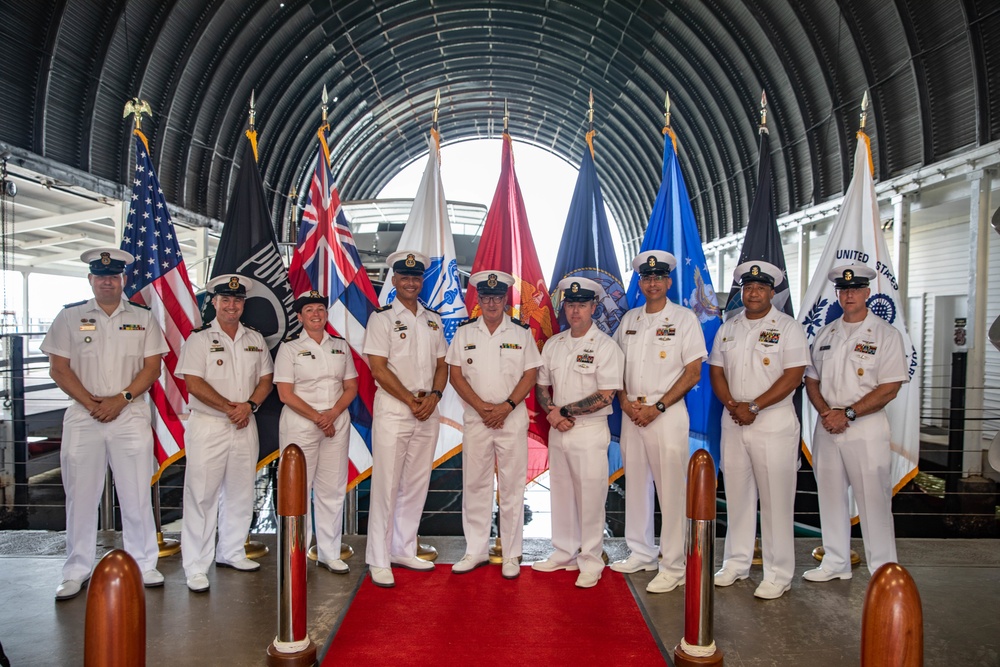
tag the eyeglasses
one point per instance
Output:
(652, 278)
(491, 299)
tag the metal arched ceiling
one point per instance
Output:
(932, 68)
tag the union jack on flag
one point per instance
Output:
(159, 280)
(327, 260)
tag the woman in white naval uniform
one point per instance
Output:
(664, 348)
(317, 381)
(581, 371)
(858, 366)
(757, 361)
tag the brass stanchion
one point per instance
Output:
(292, 645)
(115, 625)
(254, 549)
(819, 552)
(892, 621)
(697, 646)
(167, 546)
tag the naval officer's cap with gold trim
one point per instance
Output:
(308, 297)
(654, 263)
(107, 261)
(408, 262)
(758, 271)
(230, 284)
(580, 289)
(851, 276)
(491, 283)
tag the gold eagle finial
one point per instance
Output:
(136, 107)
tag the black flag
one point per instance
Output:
(249, 247)
(762, 240)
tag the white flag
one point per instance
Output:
(428, 231)
(856, 236)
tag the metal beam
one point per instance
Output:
(53, 221)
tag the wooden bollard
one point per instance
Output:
(892, 622)
(115, 626)
(697, 647)
(292, 645)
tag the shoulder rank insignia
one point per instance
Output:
(431, 310)
(333, 336)
(139, 305)
(469, 321)
(247, 326)
(294, 336)
(77, 303)
(383, 308)
(523, 325)
(202, 327)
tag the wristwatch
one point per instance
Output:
(850, 413)
(128, 395)
(511, 403)
(564, 412)
(436, 392)
(660, 406)
(753, 408)
(253, 406)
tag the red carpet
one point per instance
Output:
(480, 618)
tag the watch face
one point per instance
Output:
(661, 407)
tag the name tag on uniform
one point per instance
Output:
(630, 332)
(88, 327)
(399, 326)
(469, 347)
(865, 348)
(252, 348)
(509, 346)
(216, 348)
(306, 353)
(131, 327)
(824, 347)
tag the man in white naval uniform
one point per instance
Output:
(105, 353)
(494, 362)
(858, 366)
(757, 361)
(316, 379)
(581, 371)
(228, 369)
(405, 346)
(664, 348)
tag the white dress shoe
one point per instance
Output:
(152, 578)
(726, 577)
(411, 563)
(551, 566)
(768, 590)
(242, 564)
(633, 563)
(510, 569)
(336, 566)
(470, 563)
(69, 589)
(198, 582)
(588, 579)
(382, 576)
(819, 574)
(664, 582)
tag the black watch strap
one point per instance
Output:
(436, 392)
(511, 403)
(253, 406)
(564, 412)
(660, 406)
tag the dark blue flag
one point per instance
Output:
(672, 228)
(586, 251)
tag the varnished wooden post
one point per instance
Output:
(892, 623)
(115, 626)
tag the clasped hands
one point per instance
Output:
(835, 420)
(106, 409)
(493, 414)
(640, 413)
(423, 407)
(557, 421)
(740, 412)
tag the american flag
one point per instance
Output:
(159, 279)
(327, 260)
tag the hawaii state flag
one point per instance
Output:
(327, 260)
(428, 230)
(672, 228)
(856, 236)
(586, 251)
(159, 279)
(506, 245)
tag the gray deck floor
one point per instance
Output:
(813, 624)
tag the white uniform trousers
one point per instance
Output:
(578, 472)
(761, 459)
(657, 453)
(507, 450)
(860, 457)
(218, 490)
(87, 448)
(402, 458)
(326, 475)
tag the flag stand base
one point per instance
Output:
(496, 553)
(254, 549)
(306, 657)
(167, 546)
(819, 552)
(426, 551)
(346, 551)
(682, 659)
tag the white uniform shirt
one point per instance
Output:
(411, 343)
(755, 353)
(578, 367)
(849, 366)
(494, 363)
(105, 352)
(231, 367)
(657, 347)
(317, 370)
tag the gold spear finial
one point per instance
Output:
(864, 110)
(437, 106)
(506, 117)
(136, 107)
(763, 112)
(666, 110)
(253, 110)
(590, 112)
(326, 105)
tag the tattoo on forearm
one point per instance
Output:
(543, 398)
(590, 404)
